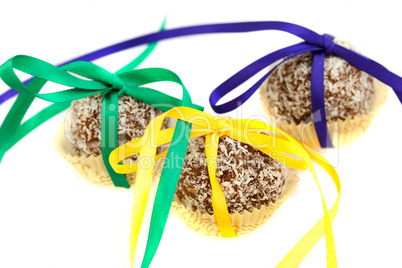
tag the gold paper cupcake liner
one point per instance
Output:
(91, 168)
(342, 132)
(242, 224)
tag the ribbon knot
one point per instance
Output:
(118, 85)
(328, 43)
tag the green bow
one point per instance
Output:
(109, 85)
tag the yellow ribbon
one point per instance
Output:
(277, 145)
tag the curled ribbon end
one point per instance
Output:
(114, 160)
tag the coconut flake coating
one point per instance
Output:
(83, 122)
(348, 91)
(248, 177)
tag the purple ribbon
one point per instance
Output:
(313, 42)
(317, 92)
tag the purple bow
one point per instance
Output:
(320, 45)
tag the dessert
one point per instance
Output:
(80, 140)
(253, 184)
(349, 94)
(83, 124)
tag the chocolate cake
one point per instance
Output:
(248, 177)
(83, 122)
(348, 91)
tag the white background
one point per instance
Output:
(49, 218)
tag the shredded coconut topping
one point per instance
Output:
(83, 122)
(348, 91)
(248, 177)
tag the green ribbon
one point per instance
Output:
(12, 131)
(109, 85)
(24, 101)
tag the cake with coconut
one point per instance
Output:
(80, 143)
(349, 96)
(253, 183)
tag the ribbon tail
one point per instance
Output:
(318, 101)
(372, 68)
(9, 94)
(37, 120)
(109, 135)
(166, 189)
(143, 181)
(219, 205)
(297, 254)
(143, 56)
(14, 117)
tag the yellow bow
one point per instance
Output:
(276, 144)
